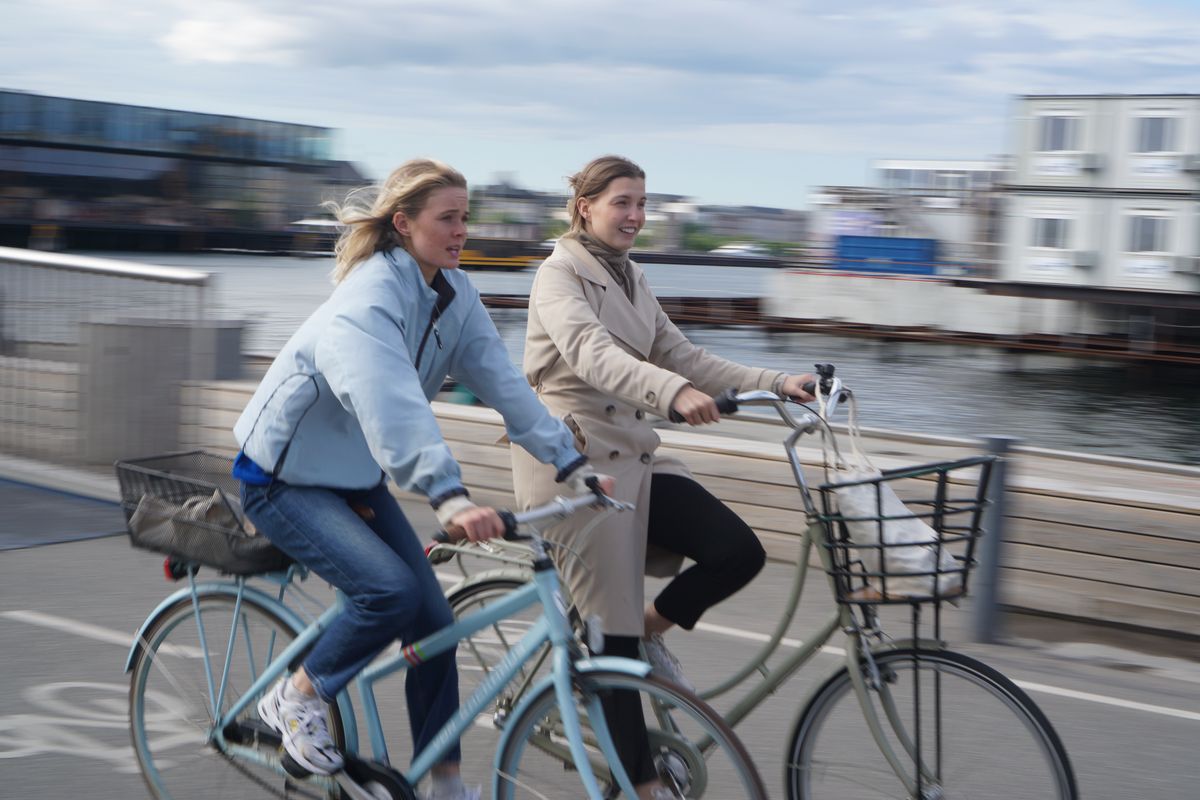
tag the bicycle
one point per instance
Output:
(900, 717)
(205, 655)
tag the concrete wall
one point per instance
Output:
(39, 408)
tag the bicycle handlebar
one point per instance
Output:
(559, 507)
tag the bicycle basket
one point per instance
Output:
(907, 535)
(187, 506)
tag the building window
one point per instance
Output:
(1057, 134)
(1148, 234)
(1050, 232)
(1156, 135)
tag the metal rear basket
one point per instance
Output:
(871, 567)
(186, 505)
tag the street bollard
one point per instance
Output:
(990, 546)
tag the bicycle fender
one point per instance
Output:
(522, 574)
(286, 614)
(583, 667)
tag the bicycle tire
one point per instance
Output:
(984, 753)
(170, 704)
(534, 761)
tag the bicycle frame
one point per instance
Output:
(843, 618)
(551, 627)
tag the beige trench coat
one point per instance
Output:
(606, 365)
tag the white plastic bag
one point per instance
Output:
(871, 511)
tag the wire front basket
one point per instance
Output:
(907, 535)
(186, 505)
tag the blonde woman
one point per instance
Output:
(600, 353)
(343, 408)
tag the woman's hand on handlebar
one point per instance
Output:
(476, 524)
(800, 387)
(695, 406)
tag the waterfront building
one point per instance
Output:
(1105, 192)
(87, 174)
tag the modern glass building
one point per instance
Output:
(94, 174)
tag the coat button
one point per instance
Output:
(650, 396)
(639, 414)
(610, 410)
(645, 458)
(614, 454)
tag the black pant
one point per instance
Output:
(685, 519)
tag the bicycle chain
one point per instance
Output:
(262, 782)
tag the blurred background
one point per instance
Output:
(986, 214)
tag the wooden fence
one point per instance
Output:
(1102, 539)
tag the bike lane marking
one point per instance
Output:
(1028, 686)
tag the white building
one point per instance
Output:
(1105, 191)
(938, 178)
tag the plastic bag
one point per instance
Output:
(891, 540)
(874, 515)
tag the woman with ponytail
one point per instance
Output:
(345, 407)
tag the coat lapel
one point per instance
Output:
(631, 323)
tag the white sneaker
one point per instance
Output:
(301, 722)
(665, 662)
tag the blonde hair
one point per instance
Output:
(367, 213)
(593, 179)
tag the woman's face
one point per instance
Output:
(436, 235)
(617, 214)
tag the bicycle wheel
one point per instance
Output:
(992, 740)
(170, 703)
(536, 762)
(479, 653)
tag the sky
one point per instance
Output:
(746, 102)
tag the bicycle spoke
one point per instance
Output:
(170, 701)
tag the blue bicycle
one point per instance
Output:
(207, 653)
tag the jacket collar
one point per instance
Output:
(631, 322)
(586, 265)
(441, 288)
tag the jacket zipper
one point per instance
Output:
(432, 326)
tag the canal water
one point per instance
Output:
(1060, 402)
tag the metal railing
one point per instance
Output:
(92, 353)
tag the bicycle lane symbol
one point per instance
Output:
(76, 709)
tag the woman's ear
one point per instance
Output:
(400, 223)
(584, 207)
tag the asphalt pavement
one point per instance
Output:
(1129, 715)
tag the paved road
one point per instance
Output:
(67, 612)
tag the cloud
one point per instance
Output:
(235, 33)
(519, 82)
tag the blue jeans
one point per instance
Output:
(390, 588)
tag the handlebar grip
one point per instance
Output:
(726, 404)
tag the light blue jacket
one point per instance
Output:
(349, 392)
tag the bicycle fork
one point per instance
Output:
(921, 781)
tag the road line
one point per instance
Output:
(71, 626)
(1108, 701)
(109, 636)
(89, 631)
(1028, 686)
